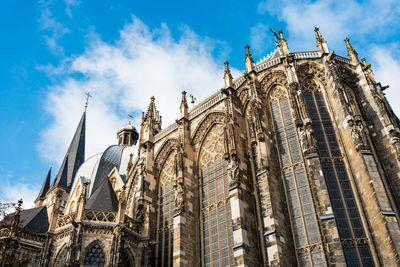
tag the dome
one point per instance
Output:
(128, 127)
(98, 167)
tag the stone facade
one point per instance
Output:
(296, 162)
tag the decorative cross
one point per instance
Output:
(87, 99)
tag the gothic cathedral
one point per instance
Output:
(295, 163)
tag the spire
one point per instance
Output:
(321, 43)
(228, 76)
(184, 106)
(153, 115)
(283, 44)
(74, 158)
(351, 52)
(249, 59)
(45, 187)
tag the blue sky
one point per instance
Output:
(125, 51)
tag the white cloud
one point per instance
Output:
(387, 70)
(258, 39)
(54, 30)
(12, 192)
(122, 77)
(336, 19)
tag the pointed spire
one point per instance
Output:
(152, 115)
(228, 76)
(352, 52)
(74, 157)
(184, 106)
(321, 43)
(249, 59)
(45, 187)
(283, 43)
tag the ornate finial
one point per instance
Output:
(351, 52)
(280, 41)
(249, 59)
(87, 99)
(184, 105)
(227, 76)
(321, 43)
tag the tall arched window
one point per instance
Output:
(352, 235)
(61, 259)
(306, 234)
(166, 212)
(216, 218)
(95, 257)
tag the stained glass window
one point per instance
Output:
(166, 212)
(217, 235)
(298, 193)
(338, 184)
(95, 257)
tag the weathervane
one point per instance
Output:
(87, 99)
(130, 116)
(193, 98)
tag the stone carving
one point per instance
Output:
(395, 142)
(179, 202)
(233, 171)
(271, 78)
(141, 175)
(307, 139)
(358, 135)
(203, 127)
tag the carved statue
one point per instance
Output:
(233, 171)
(357, 133)
(139, 214)
(179, 202)
(307, 139)
(141, 175)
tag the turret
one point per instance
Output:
(321, 43)
(128, 135)
(228, 76)
(352, 53)
(248, 60)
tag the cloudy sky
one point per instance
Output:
(125, 51)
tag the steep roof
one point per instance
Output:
(103, 198)
(34, 219)
(74, 158)
(45, 186)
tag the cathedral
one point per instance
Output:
(294, 163)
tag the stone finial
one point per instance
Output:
(351, 52)
(283, 44)
(184, 106)
(368, 70)
(249, 59)
(228, 76)
(321, 43)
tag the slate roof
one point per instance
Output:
(74, 158)
(103, 198)
(35, 219)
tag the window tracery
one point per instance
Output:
(342, 198)
(95, 257)
(216, 218)
(166, 211)
(61, 259)
(302, 214)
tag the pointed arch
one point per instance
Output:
(271, 79)
(62, 256)
(165, 149)
(95, 255)
(205, 125)
(215, 210)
